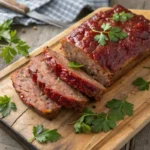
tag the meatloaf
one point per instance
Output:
(107, 63)
(54, 87)
(32, 96)
(74, 77)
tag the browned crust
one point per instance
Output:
(129, 64)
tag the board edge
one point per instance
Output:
(16, 136)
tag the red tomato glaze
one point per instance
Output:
(113, 54)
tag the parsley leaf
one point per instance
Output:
(8, 53)
(103, 123)
(5, 30)
(122, 16)
(93, 122)
(6, 105)
(101, 39)
(44, 135)
(5, 35)
(106, 26)
(14, 44)
(119, 108)
(141, 83)
(6, 24)
(114, 33)
(83, 124)
(75, 65)
(80, 126)
(22, 48)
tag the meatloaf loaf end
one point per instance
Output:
(74, 53)
(54, 87)
(74, 77)
(115, 58)
(32, 96)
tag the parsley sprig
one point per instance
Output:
(13, 45)
(43, 135)
(119, 108)
(122, 16)
(75, 65)
(93, 122)
(6, 105)
(141, 83)
(109, 33)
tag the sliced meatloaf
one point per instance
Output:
(74, 77)
(32, 96)
(109, 62)
(54, 87)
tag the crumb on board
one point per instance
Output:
(94, 106)
(23, 31)
(35, 28)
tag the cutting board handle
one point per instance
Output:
(13, 5)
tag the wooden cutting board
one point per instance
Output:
(19, 124)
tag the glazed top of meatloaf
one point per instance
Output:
(113, 54)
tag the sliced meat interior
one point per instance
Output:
(54, 87)
(74, 53)
(74, 77)
(32, 96)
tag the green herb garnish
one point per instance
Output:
(13, 45)
(141, 83)
(119, 108)
(109, 33)
(122, 16)
(75, 65)
(42, 135)
(93, 122)
(6, 105)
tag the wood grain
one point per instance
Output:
(24, 119)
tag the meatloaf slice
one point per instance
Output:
(115, 58)
(74, 77)
(54, 87)
(32, 96)
(74, 53)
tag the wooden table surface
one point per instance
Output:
(35, 38)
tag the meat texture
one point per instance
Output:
(74, 77)
(32, 96)
(54, 87)
(107, 63)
